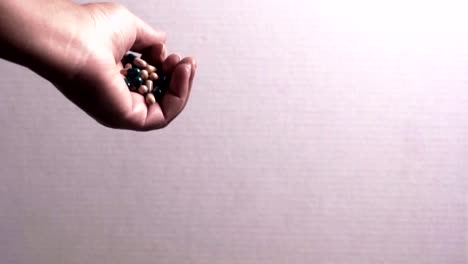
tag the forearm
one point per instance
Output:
(41, 35)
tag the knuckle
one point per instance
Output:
(115, 6)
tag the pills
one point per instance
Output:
(149, 84)
(137, 81)
(143, 89)
(129, 58)
(144, 74)
(153, 76)
(150, 68)
(140, 63)
(150, 99)
(133, 73)
(143, 78)
(127, 81)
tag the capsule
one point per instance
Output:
(163, 79)
(129, 58)
(150, 99)
(153, 76)
(127, 81)
(137, 81)
(139, 62)
(150, 68)
(144, 75)
(143, 89)
(133, 73)
(158, 93)
(149, 84)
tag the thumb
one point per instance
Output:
(146, 36)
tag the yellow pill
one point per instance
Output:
(153, 76)
(149, 84)
(143, 89)
(139, 62)
(150, 68)
(144, 75)
(150, 99)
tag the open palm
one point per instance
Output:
(96, 86)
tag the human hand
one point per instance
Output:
(81, 55)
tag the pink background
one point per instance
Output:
(317, 132)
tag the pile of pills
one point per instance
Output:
(144, 78)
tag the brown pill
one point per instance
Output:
(144, 75)
(149, 84)
(150, 99)
(123, 72)
(139, 62)
(143, 89)
(153, 76)
(150, 68)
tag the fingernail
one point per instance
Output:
(194, 64)
(189, 68)
(164, 52)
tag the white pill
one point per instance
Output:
(144, 75)
(153, 76)
(150, 99)
(143, 89)
(149, 84)
(150, 68)
(139, 62)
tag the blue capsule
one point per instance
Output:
(137, 81)
(127, 81)
(129, 58)
(158, 94)
(133, 73)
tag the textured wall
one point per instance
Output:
(317, 132)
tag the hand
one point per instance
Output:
(84, 47)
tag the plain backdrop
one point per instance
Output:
(317, 132)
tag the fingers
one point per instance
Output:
(175, 89)
(150, 43)
(177, 96)
(155, 55)
(170, 63)
(193, 62)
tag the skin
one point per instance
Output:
(78, 48)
